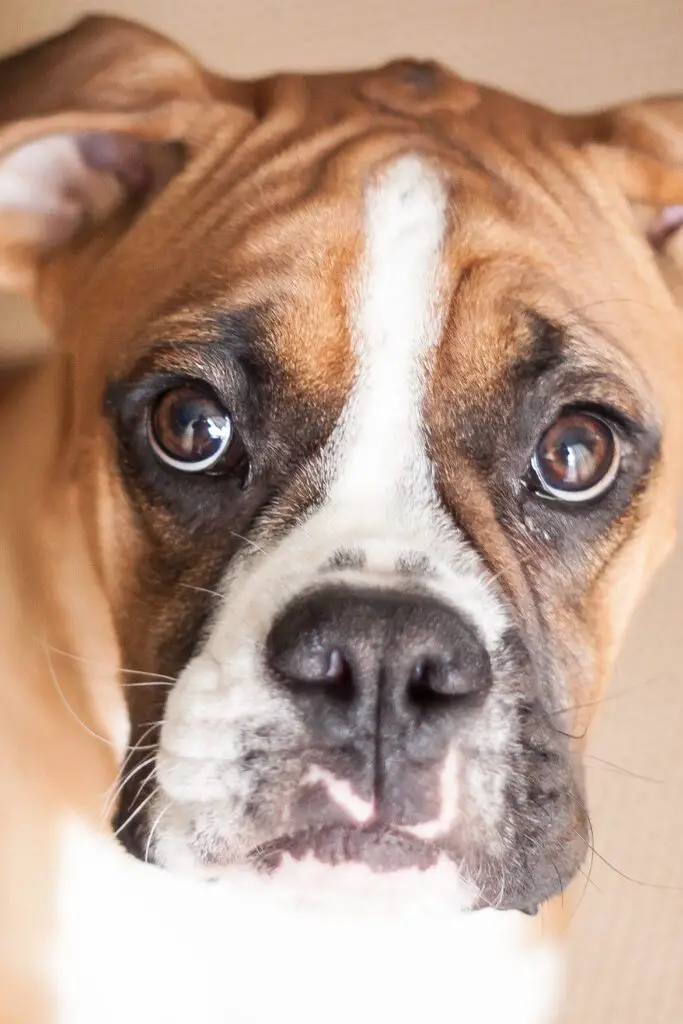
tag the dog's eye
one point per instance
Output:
(577, 459)
(189, 430)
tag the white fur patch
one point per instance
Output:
(361, 811)
(135, 944)
(377, 457)
(342, 794)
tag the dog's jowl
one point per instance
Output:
(375, 431)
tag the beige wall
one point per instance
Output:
(627, 940)
(569, 52)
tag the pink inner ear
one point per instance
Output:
(53, 185)
(667, 222)
(122, 156)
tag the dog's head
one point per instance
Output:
(375, 428)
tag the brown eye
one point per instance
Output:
(577, 458)
(189, 430)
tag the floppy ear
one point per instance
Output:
(640, 145)
(89, 119)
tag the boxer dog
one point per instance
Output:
(359, 440)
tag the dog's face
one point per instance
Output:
(373, 414)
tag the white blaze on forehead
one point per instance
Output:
(377, 455)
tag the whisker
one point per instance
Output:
(613, 696)
(620, 770)
(123, 782)
(143, 735)
(629, 878)
(245, 641)
(139, 747)
(590, 843)
(162, 681)
(560, 883)
(587, 875)
(62, 697)
(571, 735)
(591, 881)
(137, 811)
(105, 665)
(611, 301)
(157, 821)
(145, 782)
(252, 543)
(201, 590)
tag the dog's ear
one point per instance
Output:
(90, 118)
(640, 147)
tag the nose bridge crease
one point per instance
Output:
(378, 767)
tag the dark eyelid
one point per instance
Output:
(612, 414)
(576, 389)
(154, 385)
(565, 363)
(177, 365)
(194, 359)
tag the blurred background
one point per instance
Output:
(626, 941)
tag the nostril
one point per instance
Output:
(435, 681)
(339, 677)
(337, 666)
(313, 666)
(425, 689)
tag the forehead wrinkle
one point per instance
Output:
(311, 342)
(305, 265)
(508, 323)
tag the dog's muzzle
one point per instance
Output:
(378, 678)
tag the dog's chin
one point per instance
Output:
(352, 888)
(338, 868)
(355, 888)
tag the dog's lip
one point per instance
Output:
(380, 848)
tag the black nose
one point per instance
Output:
(408, 655)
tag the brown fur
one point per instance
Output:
(267, 212)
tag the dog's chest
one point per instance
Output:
(135, 944)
